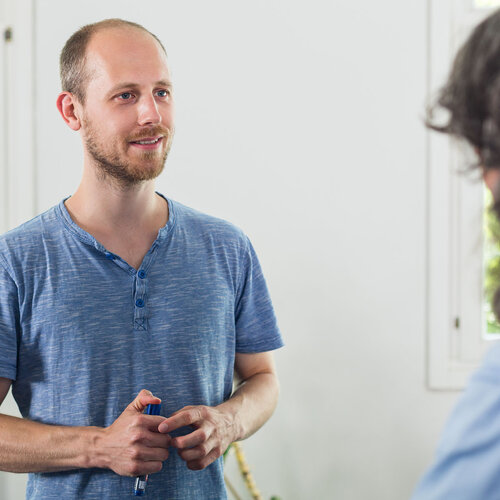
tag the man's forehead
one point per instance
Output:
(119, 53)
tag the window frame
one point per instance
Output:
(18, 175)
(455, 338)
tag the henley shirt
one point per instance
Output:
(81, 332)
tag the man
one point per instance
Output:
(467, 463)
(118, 289)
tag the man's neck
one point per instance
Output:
(105, 207)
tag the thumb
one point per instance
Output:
(143, 399)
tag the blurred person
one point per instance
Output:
(119, 297)
(467, 461)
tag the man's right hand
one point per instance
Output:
(132, 445)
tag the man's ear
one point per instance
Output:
(66, 104)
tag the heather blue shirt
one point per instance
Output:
(467, 462)
(81, 332)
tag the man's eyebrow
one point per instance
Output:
(132, 85)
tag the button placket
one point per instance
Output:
(140, 322)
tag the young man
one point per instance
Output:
(467, 463)
(118, 289)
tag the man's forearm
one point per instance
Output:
(252, 404)
(130, 446)
(27, 446)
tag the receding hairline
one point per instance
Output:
(118, 24)
(74, 72)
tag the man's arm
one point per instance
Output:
(131, 446)
(245, 412)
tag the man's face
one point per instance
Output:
(127, 120)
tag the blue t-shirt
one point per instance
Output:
(81, 332)
(467, 462)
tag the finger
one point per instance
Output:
(192, 439)
(184, 408)
(146, 467)
(149, 454)
(198, 452)
(143, 399)
(151, 422)
(204, 462)
(181, 419)
(155, 440)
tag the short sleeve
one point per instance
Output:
(256, 326)
(467, 461)
(8, 324)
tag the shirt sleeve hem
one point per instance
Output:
(8, 372)
(268, 345)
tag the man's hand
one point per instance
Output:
(132, 445)
(214, 432)
(216, 427)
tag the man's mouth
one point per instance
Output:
(147, 142)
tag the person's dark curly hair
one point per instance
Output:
(472, 93)
(472, 98)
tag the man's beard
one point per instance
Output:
(127, 173)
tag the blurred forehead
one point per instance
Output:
(125, 54)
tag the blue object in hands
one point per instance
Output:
(142, 481)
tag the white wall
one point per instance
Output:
(301, 123)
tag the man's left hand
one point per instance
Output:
(214, 431)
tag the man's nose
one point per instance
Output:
(148, 112)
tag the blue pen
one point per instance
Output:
(141, 481)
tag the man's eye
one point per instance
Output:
(163, 93)
(125, 96)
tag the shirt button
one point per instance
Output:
(139, 303)
(109, 255)
(141, 274)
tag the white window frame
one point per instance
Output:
(4, 71)
(455, 338)
(17, 112)
(17, 147)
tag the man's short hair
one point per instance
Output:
(472, 94)
(72, 62)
